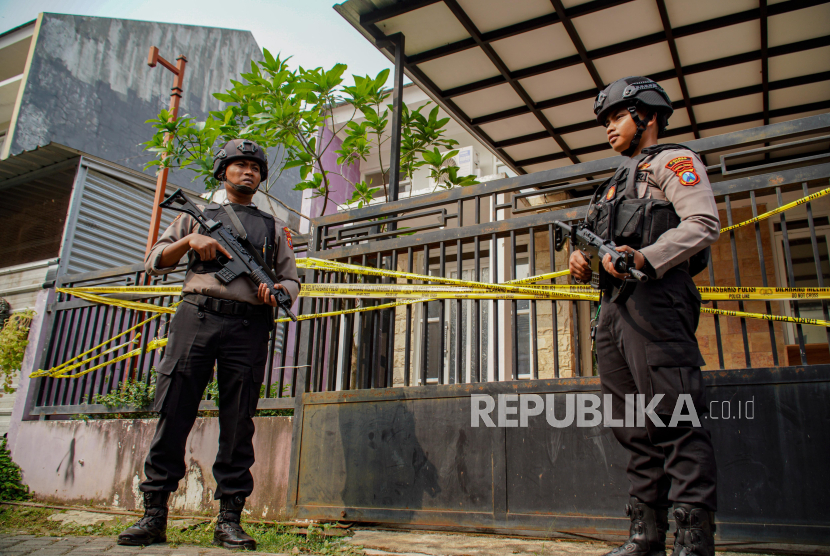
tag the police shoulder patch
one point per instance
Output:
(288, 237)
(684, 169)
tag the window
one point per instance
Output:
(471, 336)
(435, 355)
(439, 360)
(805, 274)
(523, 324)
(469, 331)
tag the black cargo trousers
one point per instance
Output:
(198, 339)
(647, 346)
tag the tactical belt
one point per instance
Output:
(226, 306)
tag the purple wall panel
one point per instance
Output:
(341, 190)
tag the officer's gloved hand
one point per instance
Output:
(579, 267)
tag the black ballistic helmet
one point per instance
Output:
(633, 93)
(239, 149)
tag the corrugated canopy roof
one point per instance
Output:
(522, 75)
(42, 159)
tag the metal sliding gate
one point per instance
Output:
(411, 457)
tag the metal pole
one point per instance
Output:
(175, 98)
(397, 112)
(394, 189)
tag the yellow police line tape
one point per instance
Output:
(67, 366)
(513, 286)
(428, 292)
(411, 293)
(740, 314)
(62, 371)
(545, 292)
(487, 291)
(782, 208)
(85, 293)
(421, 293)
(778, 318)
(90, 294)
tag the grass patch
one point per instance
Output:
(22, 520)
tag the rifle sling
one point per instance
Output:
(235, 222)
(243, 238)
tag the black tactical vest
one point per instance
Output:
(616, 212)
(260, 227)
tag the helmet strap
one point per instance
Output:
(239, 188)
(641, 127)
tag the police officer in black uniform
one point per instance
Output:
(226, 326)
(659, 206)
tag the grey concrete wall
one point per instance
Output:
(89, 86)
(101, 462)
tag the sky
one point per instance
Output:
(309, 30)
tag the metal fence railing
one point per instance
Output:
(502, 230)
(77, 326)
(495, 232)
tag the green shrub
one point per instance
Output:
(14, 337)
(131, 393)
(212, 393)
(11, 480)
(135, 393)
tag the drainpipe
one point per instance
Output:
(175, 97)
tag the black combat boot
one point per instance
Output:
(695, 535)
(647, 536)
(228, 532)
(151, 528)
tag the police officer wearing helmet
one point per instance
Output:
(659, 205)
(226, 326)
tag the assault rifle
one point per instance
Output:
(594, 249)
(246, 260)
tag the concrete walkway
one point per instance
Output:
(27, 545)
(374, 543)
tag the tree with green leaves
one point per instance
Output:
(285, 111)
(419, 134)
(281, 109)
(443, 173)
